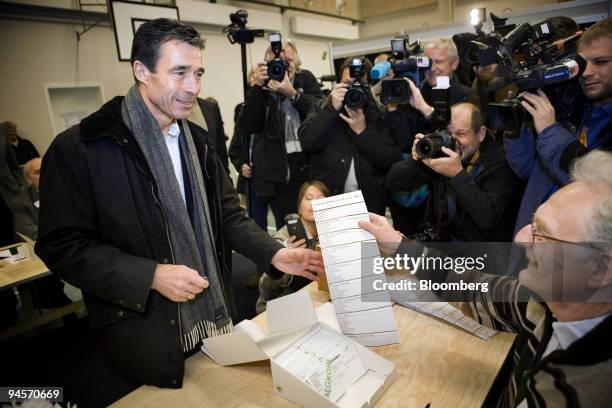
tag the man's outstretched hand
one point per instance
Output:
(299, 261)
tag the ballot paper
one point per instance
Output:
(324, 360)
(428, 303)
(364, 317)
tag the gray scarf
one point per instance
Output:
(207, 315)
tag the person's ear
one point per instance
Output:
(141, 72)
(456, 64)
(482, 132)
(601, 275)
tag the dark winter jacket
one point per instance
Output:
(104, 230)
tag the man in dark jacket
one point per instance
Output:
(274, 110)
(407, 208)
(207, 115)
(23, 148)
(349, 149)
(473, 191)
(136, 210)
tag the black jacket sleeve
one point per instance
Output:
(317, 129)
(68, 235)
(487, 202)
(406, 175)
(252, 116)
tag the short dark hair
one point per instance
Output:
(562, 27)
(151, 35)
(347, 62)
(602, 29)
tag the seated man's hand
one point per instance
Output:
(417, 101)
(447, 166)
(387, 237)
(540, 108)
(355, 119)
(178, 283)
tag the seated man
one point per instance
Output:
(49, 291)
(562, 353)
(472, 189)
(23, 148)
(25, 210)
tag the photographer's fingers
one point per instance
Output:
(345, 118)
(449, 152)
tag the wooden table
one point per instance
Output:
(434, 362)
(23, 272)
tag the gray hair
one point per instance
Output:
(596, 168)
(269, 56)
(444, 44)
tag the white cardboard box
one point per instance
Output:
(289, 318)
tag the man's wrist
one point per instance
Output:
(427, 111)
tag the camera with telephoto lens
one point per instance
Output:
(277, 67)
(358, 92)
(405, 64)
(430, 146)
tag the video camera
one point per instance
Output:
(277, 68)
(509, 114)
(358, 93)
(405, 63)
(237, 32)
(487, 49)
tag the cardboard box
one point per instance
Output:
(289, 318)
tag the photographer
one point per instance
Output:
(445, 60)
(350, 149)
(472, 189)
(544, 160)
(274, 110)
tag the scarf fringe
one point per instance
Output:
(202, 330)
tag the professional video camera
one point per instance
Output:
(430, 146)
(237, 32)
(277, 68)
(493, 48)
(509, 114)
(405, 64)
(358, 93)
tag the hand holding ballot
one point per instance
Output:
(387, 237)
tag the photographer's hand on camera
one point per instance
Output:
(417, 101)
(417, 137)
(355, 119)
(447, 166)
(540, 108)
(260, 76)
(285, 87)
(337, 95)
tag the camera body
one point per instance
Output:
(277, 67)
(358, 93)
(430, 146)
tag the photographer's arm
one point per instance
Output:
(314, 133)
(521, 153)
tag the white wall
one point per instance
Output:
(39, 53)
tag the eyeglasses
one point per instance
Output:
(534, 234)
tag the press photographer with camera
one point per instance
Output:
(472, 190)
(348, 140)
(274, 108)
(544, 160)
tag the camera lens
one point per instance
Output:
(424, 148)
(353, 98)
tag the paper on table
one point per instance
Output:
(325, 360)
(428, 303)
(368, 319)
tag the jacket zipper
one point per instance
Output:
(166, 227)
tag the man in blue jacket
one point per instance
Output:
(544, 161)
